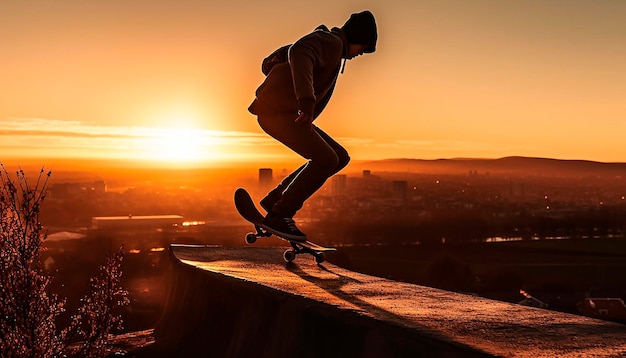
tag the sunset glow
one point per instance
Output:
(24, 138)
(178, 145)
(171, 82)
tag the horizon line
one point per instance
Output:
(87, 162)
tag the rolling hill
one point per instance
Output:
(507, 165)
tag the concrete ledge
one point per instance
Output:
(241, 302)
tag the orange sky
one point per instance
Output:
(172, 79)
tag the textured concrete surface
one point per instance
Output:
(441, 323)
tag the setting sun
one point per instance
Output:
(177, 145)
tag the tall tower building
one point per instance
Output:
(339, 184)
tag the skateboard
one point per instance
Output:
(246, 208)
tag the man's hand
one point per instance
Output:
(304, 119)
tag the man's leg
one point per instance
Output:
(342, 153)
(326, 157)
(276, 194)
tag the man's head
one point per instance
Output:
(360, 29)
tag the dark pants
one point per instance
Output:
(325, 158)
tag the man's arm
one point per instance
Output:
(302, 58)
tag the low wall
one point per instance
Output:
(215, 307)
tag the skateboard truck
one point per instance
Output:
(290, 254)
(252, 237)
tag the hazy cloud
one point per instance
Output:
(50, 137)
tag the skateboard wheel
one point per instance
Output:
(319, 258)
(250, 238)
(289, 255)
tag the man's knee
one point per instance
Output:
(327, 164)
(343, 161)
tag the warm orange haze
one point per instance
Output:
(483, 210)
(169, 82)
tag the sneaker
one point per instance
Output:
(284, 227)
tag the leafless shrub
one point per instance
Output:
(28, 312)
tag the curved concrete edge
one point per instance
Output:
(209, 314)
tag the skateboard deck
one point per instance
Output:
(248, 210)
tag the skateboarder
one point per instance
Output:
(299, 83)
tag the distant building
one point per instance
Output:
(266, 178)
(612, 309)
(131, 222)
(516, 189)
(338, 187)
(100, 186)
(400, 189)
(64, 190)
(71, 190)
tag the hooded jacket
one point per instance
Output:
(307, 80)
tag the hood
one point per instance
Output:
(361, 29)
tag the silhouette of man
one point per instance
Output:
(299, 83)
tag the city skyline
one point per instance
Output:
(170, 82)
